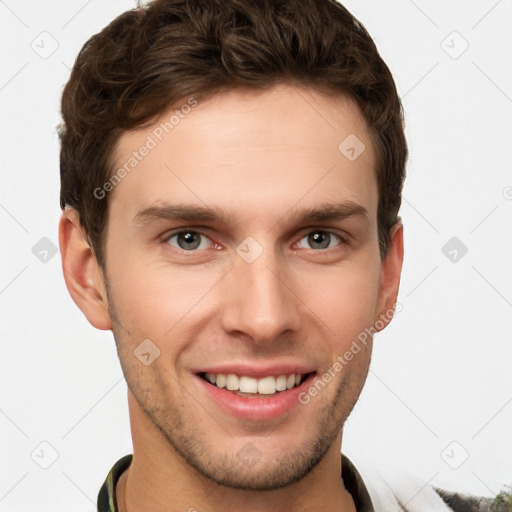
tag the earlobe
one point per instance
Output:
(82, 274)
(391, 270)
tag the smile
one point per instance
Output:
(250, 386)
(268, 397)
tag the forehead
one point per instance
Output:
(256, 152)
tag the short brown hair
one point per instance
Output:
(154, 55)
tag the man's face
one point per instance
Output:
(258, 288)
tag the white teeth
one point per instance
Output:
(248, 385)
(221, 380)
(232, 382)
(281, 383)
(265, 386)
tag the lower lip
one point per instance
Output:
(255, 409)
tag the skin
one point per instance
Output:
(262, 157)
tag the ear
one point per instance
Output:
(391, 270)
(82, 274)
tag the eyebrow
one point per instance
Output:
(196, 213)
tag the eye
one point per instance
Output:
(320, 239)
(188, 240)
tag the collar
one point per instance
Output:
(349, 474)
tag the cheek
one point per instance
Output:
(344, 298)
(156, 299)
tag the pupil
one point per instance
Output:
(188, 238)
(320, 237)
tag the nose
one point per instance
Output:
(259, 299)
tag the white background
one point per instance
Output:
(441, 371)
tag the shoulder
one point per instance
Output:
(460, 502)
(107, 494)
(463, 502)
(392, 488)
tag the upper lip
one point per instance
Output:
(250, 370)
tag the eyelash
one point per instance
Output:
(343, 241)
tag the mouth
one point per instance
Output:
(251, 387)
(250, 398)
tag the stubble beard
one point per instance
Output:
(226, 467)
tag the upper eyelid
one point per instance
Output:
(170, 234)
